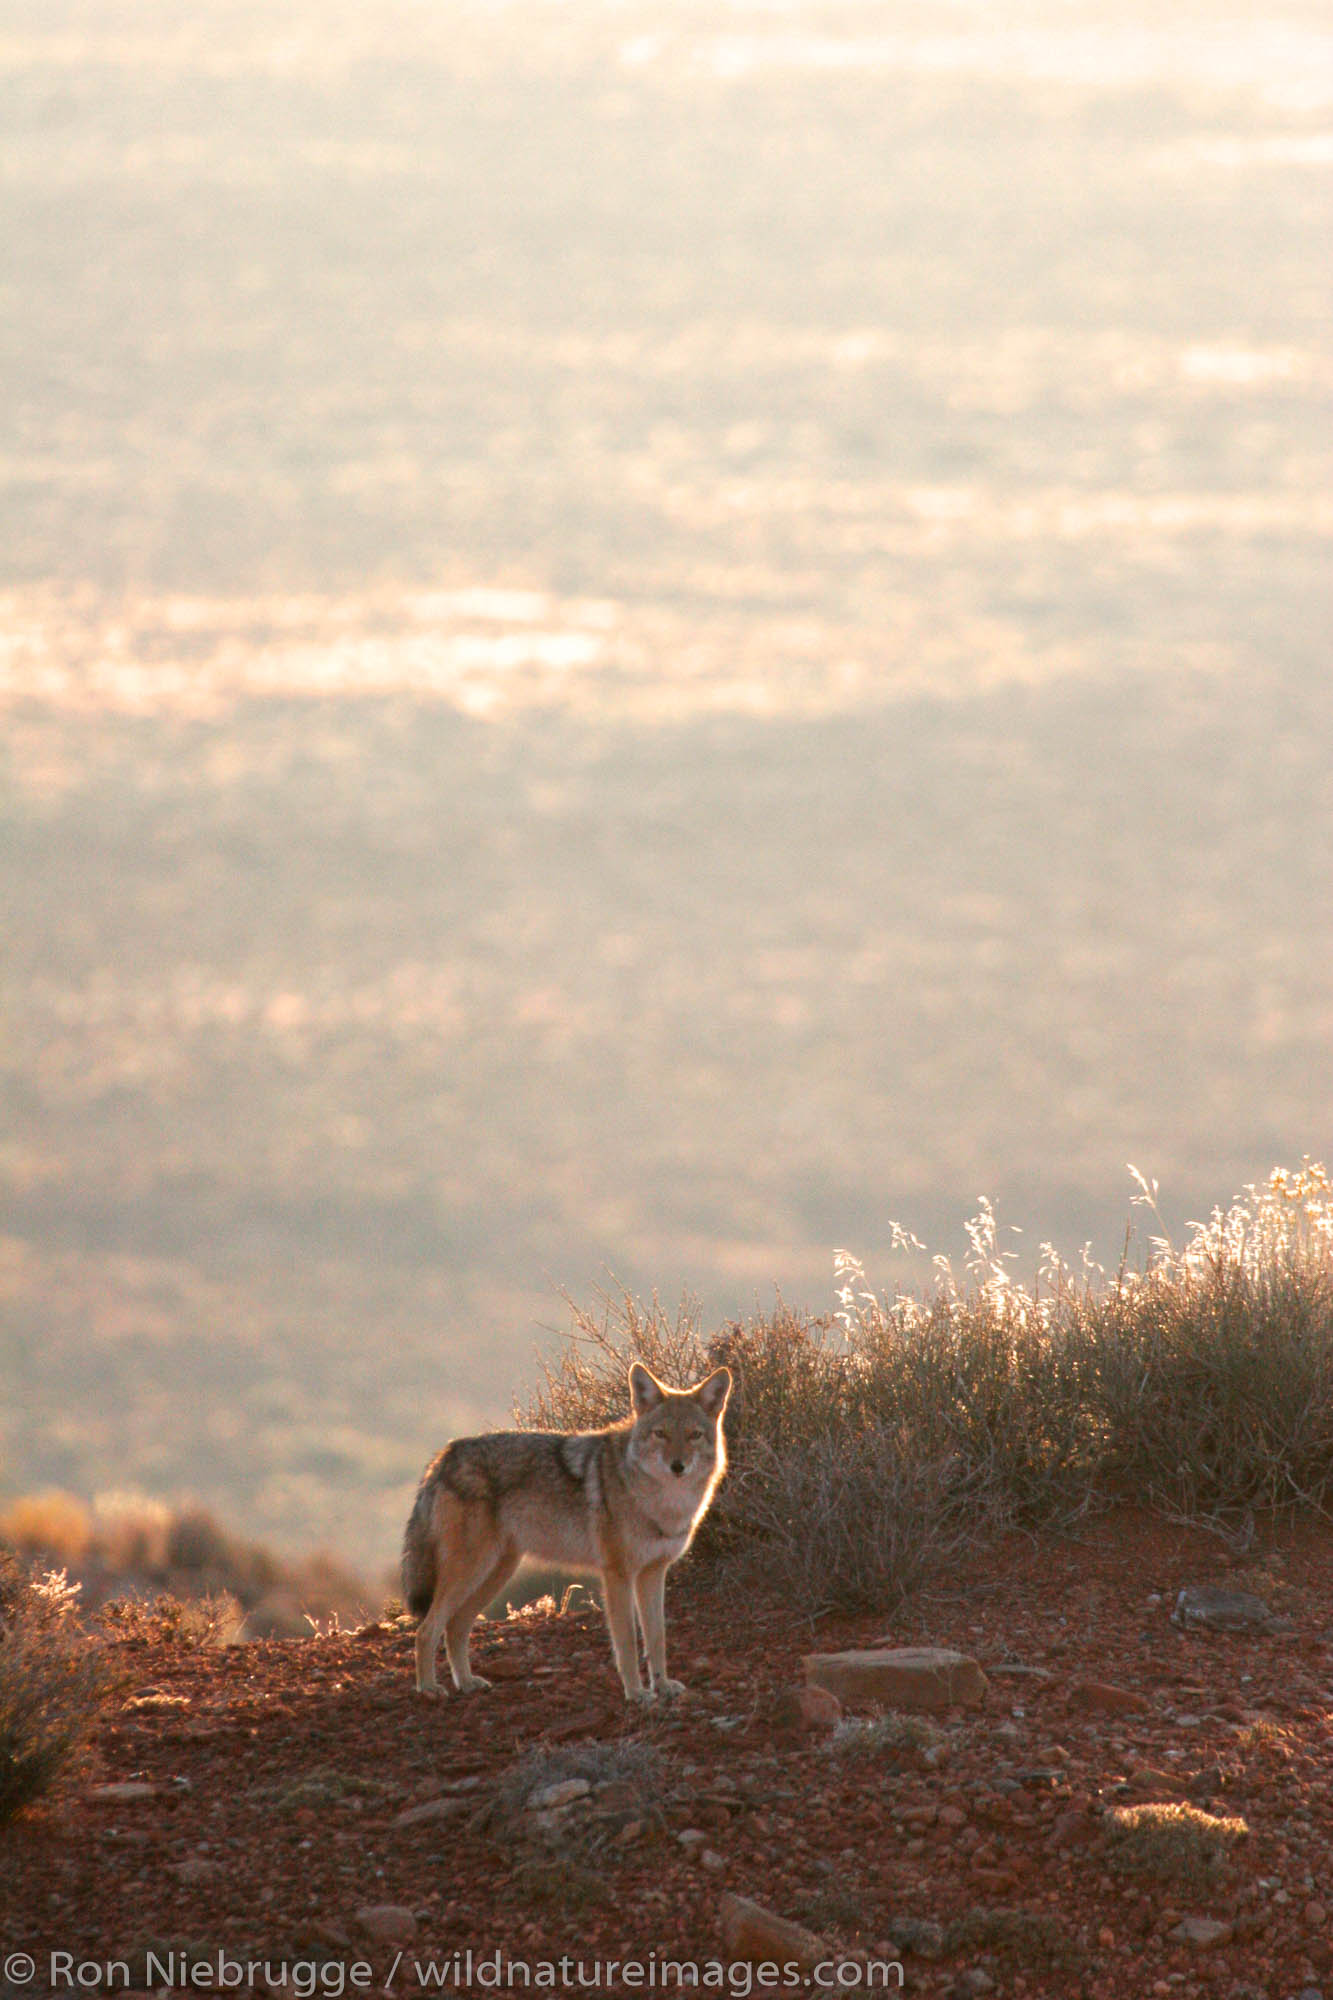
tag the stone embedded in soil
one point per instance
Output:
(432, 1809)
(907, 1677)
(1215, 1609)
(1105, 1699)
(130, 1793)
(753, 1935)
(387, 1923)
(195, 1870)
(805, 1710)
(1201, 1932)
(562, 1793)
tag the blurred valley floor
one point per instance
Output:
(632, 639)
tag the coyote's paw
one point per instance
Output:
(472, 1683)
(640, 1697)
(432, 1693)
(669, 1687)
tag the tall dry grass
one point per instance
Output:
(869, 1442)
(52, 1681)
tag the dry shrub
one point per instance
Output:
(53, 1524)
(1172, 1843)
(192, 1623)
(131, 1533)
(52, 1681)
(866, 1444)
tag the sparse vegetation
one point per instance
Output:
(191, 1622)
(891, 1735)
(625, 1783)
(1012, 1934)
(868, 1443)
(51, 1682)
(159, 1573)
(319, 1789)
(1173, 1843)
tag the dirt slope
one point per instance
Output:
(272, 1812)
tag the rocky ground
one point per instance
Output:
(290, 1816)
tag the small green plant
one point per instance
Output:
(1174, 1843)
(52, 1682)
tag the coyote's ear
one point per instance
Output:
(646, 1392)
(714, 1392)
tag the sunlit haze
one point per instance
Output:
(635, 640)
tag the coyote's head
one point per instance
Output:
(678, 1432)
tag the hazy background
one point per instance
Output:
(632, 638)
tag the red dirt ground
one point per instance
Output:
(279, 1770)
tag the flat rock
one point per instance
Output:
(563, 1793)
(131, 1792)
(1201, 1932)
(908, 1677)
(195, 1870)
(387, 1923)
(1104, 1699)
(752, 1935)
(432, 1809)
(1211, 1607)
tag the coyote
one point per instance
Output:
(623, 1502)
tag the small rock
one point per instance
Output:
(1201, 1932)
(432, 1809)
(752, 1935)
(1316, 1915)
(806, 1710)
(1105, 1699)
(976, 1980)
(709, 1858)
(388, 1923)
(907, 1677)
(194, 1870)
(691, 1837)
(562, 1794)
(1219, 1610)
(952, 1816)
(130, 1792)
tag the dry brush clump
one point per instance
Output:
(52, 1680)
(865, 1444)
(193, 1573)
(1180, 1844)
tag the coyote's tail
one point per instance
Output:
(419, 1553)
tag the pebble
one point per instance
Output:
(388, 1923)
(1201, 1932)
(562, 1794)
